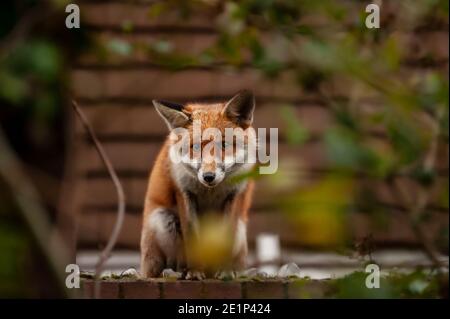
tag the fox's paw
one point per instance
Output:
(195, 275)
(225, 275)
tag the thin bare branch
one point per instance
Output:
(418, 204)
(105, 254)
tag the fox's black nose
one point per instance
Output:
(209, 177)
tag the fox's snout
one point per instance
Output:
(209, 177)
(210, 173)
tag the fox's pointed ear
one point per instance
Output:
(172, 113)
(240, 108)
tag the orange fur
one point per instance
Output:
(162, 191)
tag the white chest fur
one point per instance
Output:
(207, 198)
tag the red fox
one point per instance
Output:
(180, 191)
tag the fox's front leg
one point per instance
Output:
(160, 241)
(152, 259)
(233, 216)
(240, 246)
(236, 210)
(187, 208)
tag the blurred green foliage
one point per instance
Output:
(319, 213)
(14, 246)
(323, 43)
(417, 284)
(387, 115)
(35, 55)
(296, 132)
(29, 75)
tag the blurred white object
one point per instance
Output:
(268, 271)
(170, 273)
(267, 251)
(106, 274)
(131, 272)
(251, 272)
(289, 270)
(267, 247)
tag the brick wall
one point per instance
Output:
(208, 289)
(116, 95)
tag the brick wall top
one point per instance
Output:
(208, 289)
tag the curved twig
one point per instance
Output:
(105, 254)
(417, 206)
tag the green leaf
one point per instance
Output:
(127, 26)
(156, 10)
(390, 54)
(342, 148)
(296, 133)
(162, 46)
(120, 47)
(12, 88)
(354, 286)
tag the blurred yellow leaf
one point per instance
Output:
(319, 212)
(211, 247)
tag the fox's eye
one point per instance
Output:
(196, 147)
